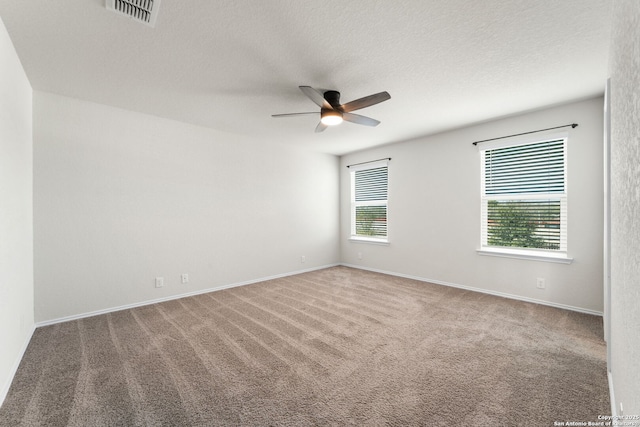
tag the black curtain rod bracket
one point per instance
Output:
(573, 125)
(370, 161)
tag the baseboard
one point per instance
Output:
(174, 297)
(484, 291)
(614, 406)
(5, 387)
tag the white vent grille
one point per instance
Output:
(144, 11)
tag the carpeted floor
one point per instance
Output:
(336, 347)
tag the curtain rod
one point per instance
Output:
(573, 125)
(371, 161)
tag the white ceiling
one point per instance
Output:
(230, 64)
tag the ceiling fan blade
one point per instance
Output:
(361, 120)
(366, 101)
(315, 96)
(293, 114)
(321, 126)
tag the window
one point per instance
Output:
(524, 198)
(369, 187)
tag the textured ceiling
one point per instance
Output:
(230, 64)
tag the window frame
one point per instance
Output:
(353, 236)
(550, 255)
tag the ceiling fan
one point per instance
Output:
(333, 113)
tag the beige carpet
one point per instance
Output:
(336, 347)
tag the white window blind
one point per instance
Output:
(524, 199)
(369, 190)
(521, 169)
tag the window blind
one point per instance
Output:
(532, 168)
(524, 196)
(369, 202)
(371, 184)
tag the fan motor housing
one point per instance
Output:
(333, 98)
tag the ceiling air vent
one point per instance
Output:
(144, 11)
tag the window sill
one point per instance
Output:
(375, 241)
(560, 258)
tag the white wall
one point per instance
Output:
(434, 211)
(122, 197)
(625, 205)
(16, 229)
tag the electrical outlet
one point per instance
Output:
(303, 259)
(184, 278)
(621, 410)
(540, 283)
(359, 255)
(159, 282)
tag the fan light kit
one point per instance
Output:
(331, 117)
(333, 113)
